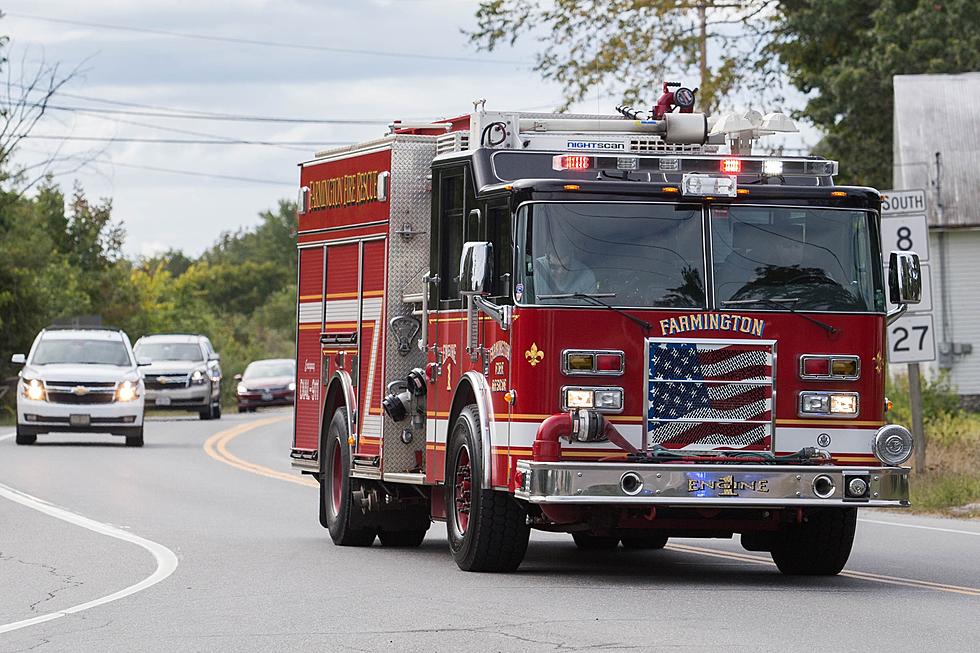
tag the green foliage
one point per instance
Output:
(629, 47)
(843, 54)
(939, 399)
(64, 259)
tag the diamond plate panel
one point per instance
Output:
(408, 259)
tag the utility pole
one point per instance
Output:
(703, 46)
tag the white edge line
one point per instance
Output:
(925, 528)
(165, 558)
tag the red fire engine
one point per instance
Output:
(619, 327)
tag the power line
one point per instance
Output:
(176, 171)
(270, 44)
(231, 118)
(183, 141)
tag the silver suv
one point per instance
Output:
(185, 373)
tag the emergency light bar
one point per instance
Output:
(515, 165)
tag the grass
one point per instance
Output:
(952, 475)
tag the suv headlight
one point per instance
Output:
(127, 391)
(292, 386)
(198, 377)
(242, 389)
(33, 389)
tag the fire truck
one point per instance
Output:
(622, 327)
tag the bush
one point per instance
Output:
(939, 399)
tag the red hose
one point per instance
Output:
(546, 448)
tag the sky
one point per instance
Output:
(368, 60)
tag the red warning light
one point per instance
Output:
(572, 162)
(731, 166)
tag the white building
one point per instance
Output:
(937, 148)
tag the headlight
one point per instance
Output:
(242, 389)
(198, 377)
(126, 391)
(600, 399)
(830, 404)
(892, 444)
(292, 386)
(33, 389)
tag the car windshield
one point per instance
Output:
(261, 369)
(811, 258)
(169, 351)
(630, 254)
(54, 351)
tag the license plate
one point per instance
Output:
(163, 401)
(79, 420)
(266, 396)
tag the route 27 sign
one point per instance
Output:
(911, 339)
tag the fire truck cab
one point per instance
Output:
(623, 329)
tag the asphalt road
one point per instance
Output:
(206, 540)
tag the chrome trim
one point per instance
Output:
(350, 403)
(799, 405)
(484, 405)
(605, 411)
(831, 358)
(665, 484)
(404, 477)
(593, 352)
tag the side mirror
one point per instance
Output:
(904, 278)
(476, 269)
(214, 357)
(143, 361)
(18, 359)
(238, 377)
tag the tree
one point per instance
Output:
(630, 47)
(843, 54)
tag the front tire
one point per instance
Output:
(337, 509)
(820, 546)
(25, 438)
(135, 439)
(487, 529)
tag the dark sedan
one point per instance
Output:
(267, 383)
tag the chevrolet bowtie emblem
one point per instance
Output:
(163, 379)
(79, 390)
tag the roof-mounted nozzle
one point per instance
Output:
(681, 99)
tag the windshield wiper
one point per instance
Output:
(783, 302)
(594, 298)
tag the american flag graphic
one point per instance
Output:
(709, 395)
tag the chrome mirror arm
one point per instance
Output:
(502, 315)
(896, 313)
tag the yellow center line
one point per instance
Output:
(862, 575)
(217, 447)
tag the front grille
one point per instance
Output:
(57, 397)
(165, 381)
(710, 394)
(73, 384)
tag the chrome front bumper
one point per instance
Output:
(708, 485)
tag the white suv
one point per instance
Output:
(79, 379)
(185, 373)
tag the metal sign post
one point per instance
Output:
(912, 338)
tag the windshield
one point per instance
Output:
(262, 369)
(805, 258)
(169, 351)
(51, 351)
(631, 254)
